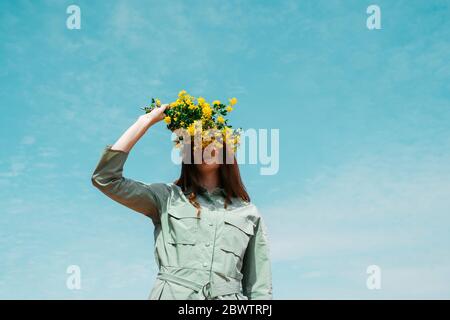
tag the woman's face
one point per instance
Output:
(210, 161)
(208, 167)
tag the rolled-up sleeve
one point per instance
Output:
(148, 199)
(256, 269)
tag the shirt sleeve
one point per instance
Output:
(256, 269)
(148, 199)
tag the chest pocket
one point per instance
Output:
(237, 233)
(183, 224)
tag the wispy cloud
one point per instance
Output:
(385, 209)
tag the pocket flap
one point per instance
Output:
(182, 241)
(185, 211)
(240, 222)
(230, 249)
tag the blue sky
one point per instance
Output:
(364, 138)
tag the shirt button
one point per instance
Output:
(207, 244)
(205, 264)
(211, 224)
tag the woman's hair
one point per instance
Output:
(230, 178)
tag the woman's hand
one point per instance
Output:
(154, 116)
(137, 130)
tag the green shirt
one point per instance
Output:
(221, 254)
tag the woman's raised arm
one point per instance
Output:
(137, 130)
(148, 199)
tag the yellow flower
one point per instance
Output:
(220, 119)
(191, 129)
(167, 120)
(226, 131)
(233, 101)
(158, 102)
(216, 102)
(207, 111)
(201, 100)
(188, 99)
(229, 109)
(181, 93)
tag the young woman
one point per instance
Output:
(210, 241)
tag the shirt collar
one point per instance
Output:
(215, 191)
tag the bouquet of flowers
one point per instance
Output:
(198, 117)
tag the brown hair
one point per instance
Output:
(229, 174)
